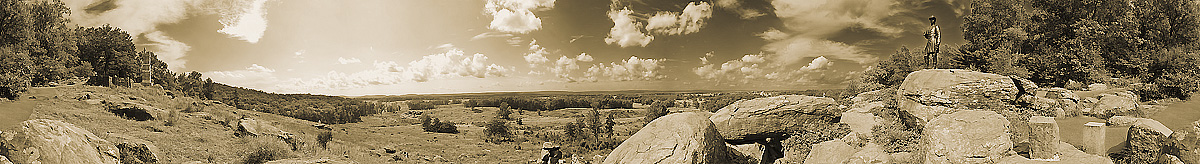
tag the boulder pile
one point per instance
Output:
(960, 116)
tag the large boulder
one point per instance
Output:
(676, 138)
(872, 96)
(134, 150)
(870, 154)
(1118, 104)
(929, 93)
(830, 152)
(861, 123)
(1097, 87)
(967, 136)
(1067, 155)
(52, 141)
(1186, 143)
(772, 117)
(1146, 143)
(1061, 101)
(799, 145)
(253, 127)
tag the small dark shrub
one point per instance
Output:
(434, 125)
(323, 138)
(504, 112)
(265, 148)
(657, 109)
(497, 131)
(172, 118)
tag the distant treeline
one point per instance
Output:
(317, 108)
(40, 47)
(550, 103)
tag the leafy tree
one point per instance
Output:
(504, 112)
(110, 52)
(657, 109)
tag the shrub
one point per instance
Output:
(323, 138)
(11, 84)
(497, 131)
(193, 108)
(815, 133)
(266, 148)
(430, 124)
(504, 112)
(172, 118)
(657, 109)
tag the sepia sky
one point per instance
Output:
(371, 47)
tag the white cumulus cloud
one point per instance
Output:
(342, 60)
(537, 55)
(249, 24)
(693, 17)
(584, 57)
(516, 15)
(626, 30)
(632, 69)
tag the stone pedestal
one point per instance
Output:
(1094, 138)
(1043, 139)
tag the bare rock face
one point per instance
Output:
(1146, 143)
(254, 127)
(134, 150)
(870, 96)
(967, 136)
(1187, 143)
(861, 123)
(1061, 100)
(870, 154)
(1068, 154)
(1119, 104)
(929, 93)
(52, 141)
(1097, 87)
(772, 117)
(4, 160)
(676, 138)
(833, 151)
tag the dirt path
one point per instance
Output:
(1180, 115)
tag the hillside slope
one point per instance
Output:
(208, 131)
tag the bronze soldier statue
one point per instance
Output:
(934, 36)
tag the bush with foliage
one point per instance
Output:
(430, 124)
(323, 138)
(172, 118)
(266, 148)
(497, 131)
(504, 112)
(656, 110)
(814, 134)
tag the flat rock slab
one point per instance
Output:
(772, 117)
(929, 93)
(967, 136)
